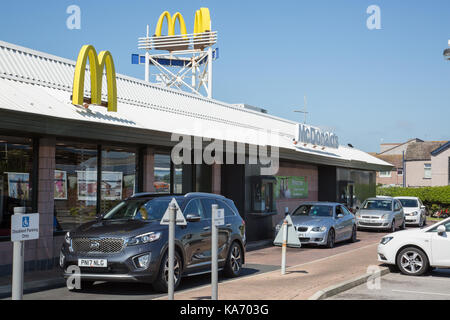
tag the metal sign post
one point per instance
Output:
(214, 262)
(172, 213)
(283, 249)
(23, 227)
(217, 219)
(173, 216)
(286, 237)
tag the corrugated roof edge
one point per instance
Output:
(138, 81)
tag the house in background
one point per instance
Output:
(417, 163)
(393, 153)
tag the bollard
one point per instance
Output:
(171, 284)
(18, 264)
(283, 248)
(214, 254)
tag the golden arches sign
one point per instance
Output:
(97, 63)
(202, 22)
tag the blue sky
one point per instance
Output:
(371, 86)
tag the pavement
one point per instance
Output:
(396, 286)
(299, 283)
(310, 269)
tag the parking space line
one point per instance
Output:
(422, 292)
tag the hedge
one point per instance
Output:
(428, 195)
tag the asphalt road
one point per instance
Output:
(396, 286)
(257, 261)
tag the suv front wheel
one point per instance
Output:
(161, 283)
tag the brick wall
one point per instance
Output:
(149, 165)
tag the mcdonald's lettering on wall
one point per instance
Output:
(97, 63)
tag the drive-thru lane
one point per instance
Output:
(257, 262)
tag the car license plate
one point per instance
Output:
(301, 235)
(93, 263)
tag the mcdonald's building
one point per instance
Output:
(75, 141)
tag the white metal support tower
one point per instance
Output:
(181, 61)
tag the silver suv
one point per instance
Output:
(381, 213)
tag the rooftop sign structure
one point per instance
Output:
(186, 59)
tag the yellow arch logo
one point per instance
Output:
(202, 22)
(97, 63)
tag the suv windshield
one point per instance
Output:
(409, 203)
(385, 205)
(139, 209)
(314, 211)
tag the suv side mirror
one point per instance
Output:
(441, 230)
(340, 215)
(192, 217)
(422, 207)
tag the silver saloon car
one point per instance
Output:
(382, 213)
(323, 223)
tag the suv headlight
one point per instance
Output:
(319, 229)
(67, 238)
(386, 240)
(415, 213)
(144, 238)
(385, 216)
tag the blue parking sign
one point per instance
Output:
(25, 222)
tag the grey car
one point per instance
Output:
(381, 213)
(129, 243)
(323, 223)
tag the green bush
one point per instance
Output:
(429, 195)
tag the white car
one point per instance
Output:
(415, 212)
(414, 251)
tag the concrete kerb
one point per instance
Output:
(34, 286)
(346, 285)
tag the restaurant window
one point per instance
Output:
(178, 178)
(262, 198)
(16, 168)
(118, 179)
(161, 183)
(75, 193)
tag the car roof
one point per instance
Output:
(380, 198)
(412, 198)
(149, 195)
(322, 203)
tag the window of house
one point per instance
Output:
(427, 171)
(16, 174)
(385, 174)
(400, 172)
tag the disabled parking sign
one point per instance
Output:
(24, 227)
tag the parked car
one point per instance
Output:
(129, 244)
(381, 213)
(415, 212)
(414, 251)
(323, 223)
